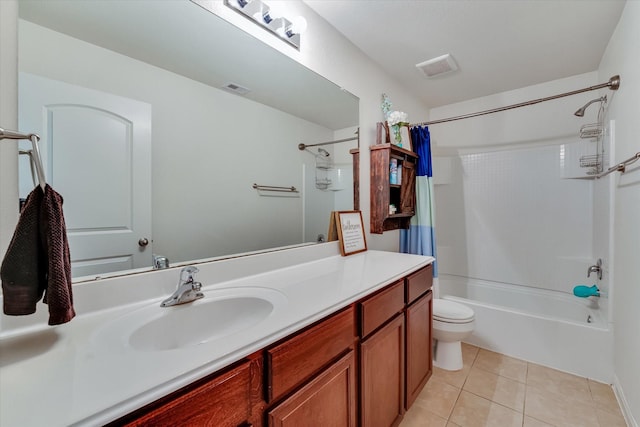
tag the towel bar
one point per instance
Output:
(291, 189)
(35, 152)
(620, 167)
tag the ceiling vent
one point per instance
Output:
(437, 66)
(237, 89)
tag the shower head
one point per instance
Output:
(323, 152)
(580, 112)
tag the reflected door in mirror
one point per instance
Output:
(97, 152)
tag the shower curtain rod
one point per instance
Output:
(301, 146)
(613, 84)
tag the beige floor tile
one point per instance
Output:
(558, 382)
(558, 410)
(500, 364)
(494, 393)
(469, 353)
(603, 396)
(437, 397)
(607, 419)
(532, 422)
(502, 390)
(454, 378)
(474, 411)
(420, 417)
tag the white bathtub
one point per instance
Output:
(545, 327)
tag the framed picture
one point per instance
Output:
(350, 232)
(407, 143)
(389, 135)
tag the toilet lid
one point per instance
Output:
(452, 312)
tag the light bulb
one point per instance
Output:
(298, 26)
(270, 13)
(277, 11)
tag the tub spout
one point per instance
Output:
(584, 291)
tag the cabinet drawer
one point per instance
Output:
(299, 358)
(381, 307)
(221, 401)
(419, 282)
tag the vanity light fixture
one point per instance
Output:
(270, 18)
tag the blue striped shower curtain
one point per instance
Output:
(420, 238)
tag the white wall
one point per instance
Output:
(623, 57)
(537, 124)
(8, 119)
(205, 157)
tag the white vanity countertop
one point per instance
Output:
(83, 373)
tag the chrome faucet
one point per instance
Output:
(160, 262)
(188, 289)
(596, 269)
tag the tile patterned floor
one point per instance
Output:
(493, 390)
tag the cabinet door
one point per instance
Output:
(419, 357)
(329, 400)
(223, 401)
(408, 189)
(382, 376)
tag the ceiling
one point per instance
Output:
(498, 45)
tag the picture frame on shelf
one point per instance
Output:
(405, 132)
(384, 134)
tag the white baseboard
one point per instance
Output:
(622, 401)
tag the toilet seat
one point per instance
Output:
(451, 312)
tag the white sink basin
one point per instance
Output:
(220, 313)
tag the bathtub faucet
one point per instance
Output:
(596, 269)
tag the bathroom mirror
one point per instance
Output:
(215, 111)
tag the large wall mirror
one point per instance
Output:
(157, 117)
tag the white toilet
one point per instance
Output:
(452, 322)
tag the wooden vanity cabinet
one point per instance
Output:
(232, 398)
(382, 356)
(364, 365)
(396, 349)
(419, 324)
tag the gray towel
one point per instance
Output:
(38, 261)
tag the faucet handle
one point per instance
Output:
(187, 274)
